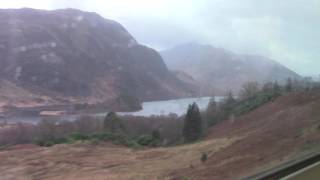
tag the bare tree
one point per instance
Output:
(249, 89)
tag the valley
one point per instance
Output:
(82, 98)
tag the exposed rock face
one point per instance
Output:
(218, 70)
(82, 55)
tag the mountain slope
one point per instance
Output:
(273, 134)
(218, 70)
(81, 54)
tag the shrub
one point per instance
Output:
(47, 129)
(113, 123)
(252, 103)
(204, 157)
(156, 135)
(145, 140)
(78, 136)
(62, 140)
(87, 125)
(52, 131)
(102, 136)
(170, 127)
(219, 112)
(249, 89)
(46, 143)
(252, 99)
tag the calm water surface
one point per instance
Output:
(176, 106)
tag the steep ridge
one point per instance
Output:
(81, 55)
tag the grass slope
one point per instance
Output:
(269, 135)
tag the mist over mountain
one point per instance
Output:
(218, 70)
(71, 53)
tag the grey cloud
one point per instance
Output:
(158, 33)
(285, 30)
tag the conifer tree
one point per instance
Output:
(289, 85)
(192, 129)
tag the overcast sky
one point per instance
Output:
(285, 30)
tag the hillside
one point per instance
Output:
(219, 70)
(276, 132)
(80, 56)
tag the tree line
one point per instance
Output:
(251, 96)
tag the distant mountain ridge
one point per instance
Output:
(219, 70)
(81, 56)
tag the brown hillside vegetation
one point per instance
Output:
(274, 133)
(270, 135)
